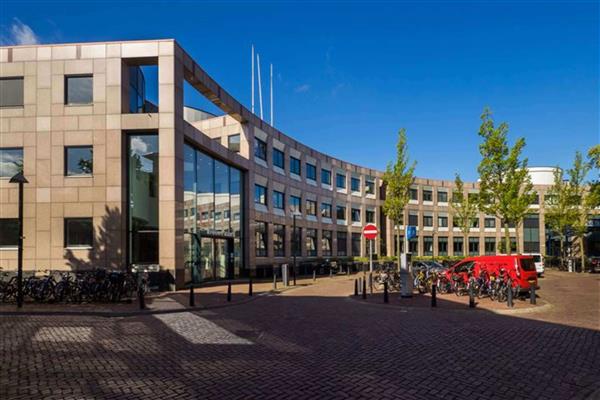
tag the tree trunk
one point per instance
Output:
(465, 244)
(399, 250)
(562, 253)
(507, 238)
(517, 226)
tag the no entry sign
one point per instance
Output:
(370, 231)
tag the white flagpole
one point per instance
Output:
(259, 86)
(252, 79)
(272, 95)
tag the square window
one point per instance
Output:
(340, 181)
(260, 149)
(355, 184)
(340, 213)
(11, 92)
(427, 195)
(278, 200)
(325, 176)
(79, 160)
(260, 194)
(414, 194)
(311, 207)
(311, 172)
(11, 162)
(295, 204)
(295, 166)
(370, 187)
(355, 214)
(278, 158)
(325, 210)
(442, 197)
(233, 142)
(9, 232)
(79, 232)
(79, 89)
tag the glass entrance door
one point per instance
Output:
(221, 258)
(215, 259)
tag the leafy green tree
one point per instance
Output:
(505, 184)
(594, 160)
(559, 212)
(398, 177)
(464, 210)
(583, 201)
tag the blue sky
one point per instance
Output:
(349, 75)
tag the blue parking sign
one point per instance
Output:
(411, 232)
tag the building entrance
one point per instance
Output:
(211, 257)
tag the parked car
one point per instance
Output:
(520, 268)
(539, 262)
(594, 264)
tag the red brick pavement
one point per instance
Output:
(311, 343)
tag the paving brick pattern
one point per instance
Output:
(309, 343)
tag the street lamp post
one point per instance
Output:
(20, 179)
(295, 213)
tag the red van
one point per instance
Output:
(521, 269)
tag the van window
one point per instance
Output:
(527, 264)
(537, 259)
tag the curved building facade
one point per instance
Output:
(116, 181)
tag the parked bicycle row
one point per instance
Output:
(97, 285)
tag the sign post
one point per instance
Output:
(370, 232)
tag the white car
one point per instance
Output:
(539, 262)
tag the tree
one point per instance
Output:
(559, 213)
(582, 199)
(398, 177)
(464, 209)
(505, 184)
(594, 160)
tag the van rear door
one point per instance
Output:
(528, 272)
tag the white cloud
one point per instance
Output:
(302, 88)
(19, 34)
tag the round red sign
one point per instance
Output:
(370, 231)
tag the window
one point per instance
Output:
(489, 222)
(490, 245)
(413, 246)
(278, 158)
(260, 149)
(414, 194)
(295, 166)
(536, 199)
(79, 160)
(340, 212)
(342, 243)
(11, 92)
(473, 246)
(233, 143)
(370, 216)
(413, 219)
(279, 240)
(11, 162)
(79, 232)
(295, 204)
(531, 233)
(278, 200)
(355, 214)
(325, 176)
(340, 181)
(474, 222)
(442, 221)
(355, 184)
(356, 244)
(326, 243)
(311, 242)
(9, 232)
(458, 246)
(427, 195)
(370, 187)
(442, 197)
(79, 89)
(311, 172)
(502, 245)
(311, 207)
(325, 210)
(260, 194)
(442, 246)
(261, 239)
(427, 220)
(427, 245)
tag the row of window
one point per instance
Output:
(442, 196)
(78, 232)
(442, 221)
(78, 161)
(78, 90)
(473, 249)
(260, 152)
(295, 206)
(311, 244)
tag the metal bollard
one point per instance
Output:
(229, 291)
(330, 273)
(434, 295)
(274, 281)
(532, 297)
(386, 298)
(509, 295)
(371, 282)
(364, 289)
(250, 287)
(356, 287)
(192, 298)
(348, 270)
(314, 275)
(294, 275)
(471, 296)
(360, 285)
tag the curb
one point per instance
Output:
(124, 314)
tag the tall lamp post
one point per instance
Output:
(21, 180)
(295, 213)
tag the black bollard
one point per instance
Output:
(229, 291)
(364, 289)
(274, 280)
(294, 275)
(386, 298)
(360, 285)
(192, 298)
(509, 294)
(471, 296)
(250, 287)
(532, 298)
(371, 282)
(356, 287)
(348, 270)
(434, 295)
